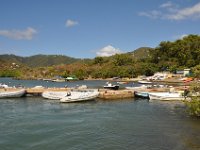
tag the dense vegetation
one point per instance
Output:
(39, 60)
(172, 56)
(194, 105)
(183, 53)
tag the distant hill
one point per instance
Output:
(50, 60)
(141, 53)
(38, 60)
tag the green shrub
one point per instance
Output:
(193, 106)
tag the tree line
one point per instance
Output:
(168, 55)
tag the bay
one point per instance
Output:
(35, 123)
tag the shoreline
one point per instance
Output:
(172, 81)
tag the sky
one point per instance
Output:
(90, 28)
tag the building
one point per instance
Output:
(186, 72)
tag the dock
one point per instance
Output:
(39, 91)
(105, 94)
(115, 94)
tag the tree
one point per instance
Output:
(196, 71)
(80, 74)
(122, 59)
(98, 60)
(193, 106)
(65, 74)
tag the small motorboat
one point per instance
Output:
(167, 96)
(122, 82)
(3, 85)
(111, 86)
(144, 82)
(141, 94)
(79, 96)
(12, 93)
(54, 95)
(137, 87)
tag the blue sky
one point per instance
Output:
(87, 28)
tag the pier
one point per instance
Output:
(39, 91)
(103, 93)
(115, 94)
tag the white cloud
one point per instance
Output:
(71, 23)
(19, 34)
(185, 13)
(171, 11)
(167, 4)
(169, 7)
(108, 51)
(154, 14)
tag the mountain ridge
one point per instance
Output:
(42, 60)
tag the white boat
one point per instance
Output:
(38, 87)
(111, 86)
(80, 96)
(55, 95)
(15, 93)
(137, 87)
(3, 85)
(122, 82)
(58, 80)
(167, 96)
(81, 87)
(141, 94)
(144, 82)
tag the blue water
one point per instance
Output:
(32, 83)
(35, 123)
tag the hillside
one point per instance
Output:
(171, 56)
(50, 60)
(141, 53)
(38, 60)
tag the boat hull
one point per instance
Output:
(53, 95)
(79, 97)
(114, 87)
(141, 94)
(12, 94)
(144, 82)
(167, 97)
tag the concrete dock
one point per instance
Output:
(115, 94)
(39, 91)
(103, 93)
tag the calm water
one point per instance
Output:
(37, 124)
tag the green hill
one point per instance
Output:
(141, 53)
(38, 60)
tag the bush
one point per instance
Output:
(10, 73)
(193, 106)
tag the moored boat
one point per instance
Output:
(54, 95)
(12, 93)
(3, 85)
(137, 87)
(122, 82)
(111, 86)
(58, 80)
(167, 96)
(76, 96)
(144, 82)
(141, 94)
